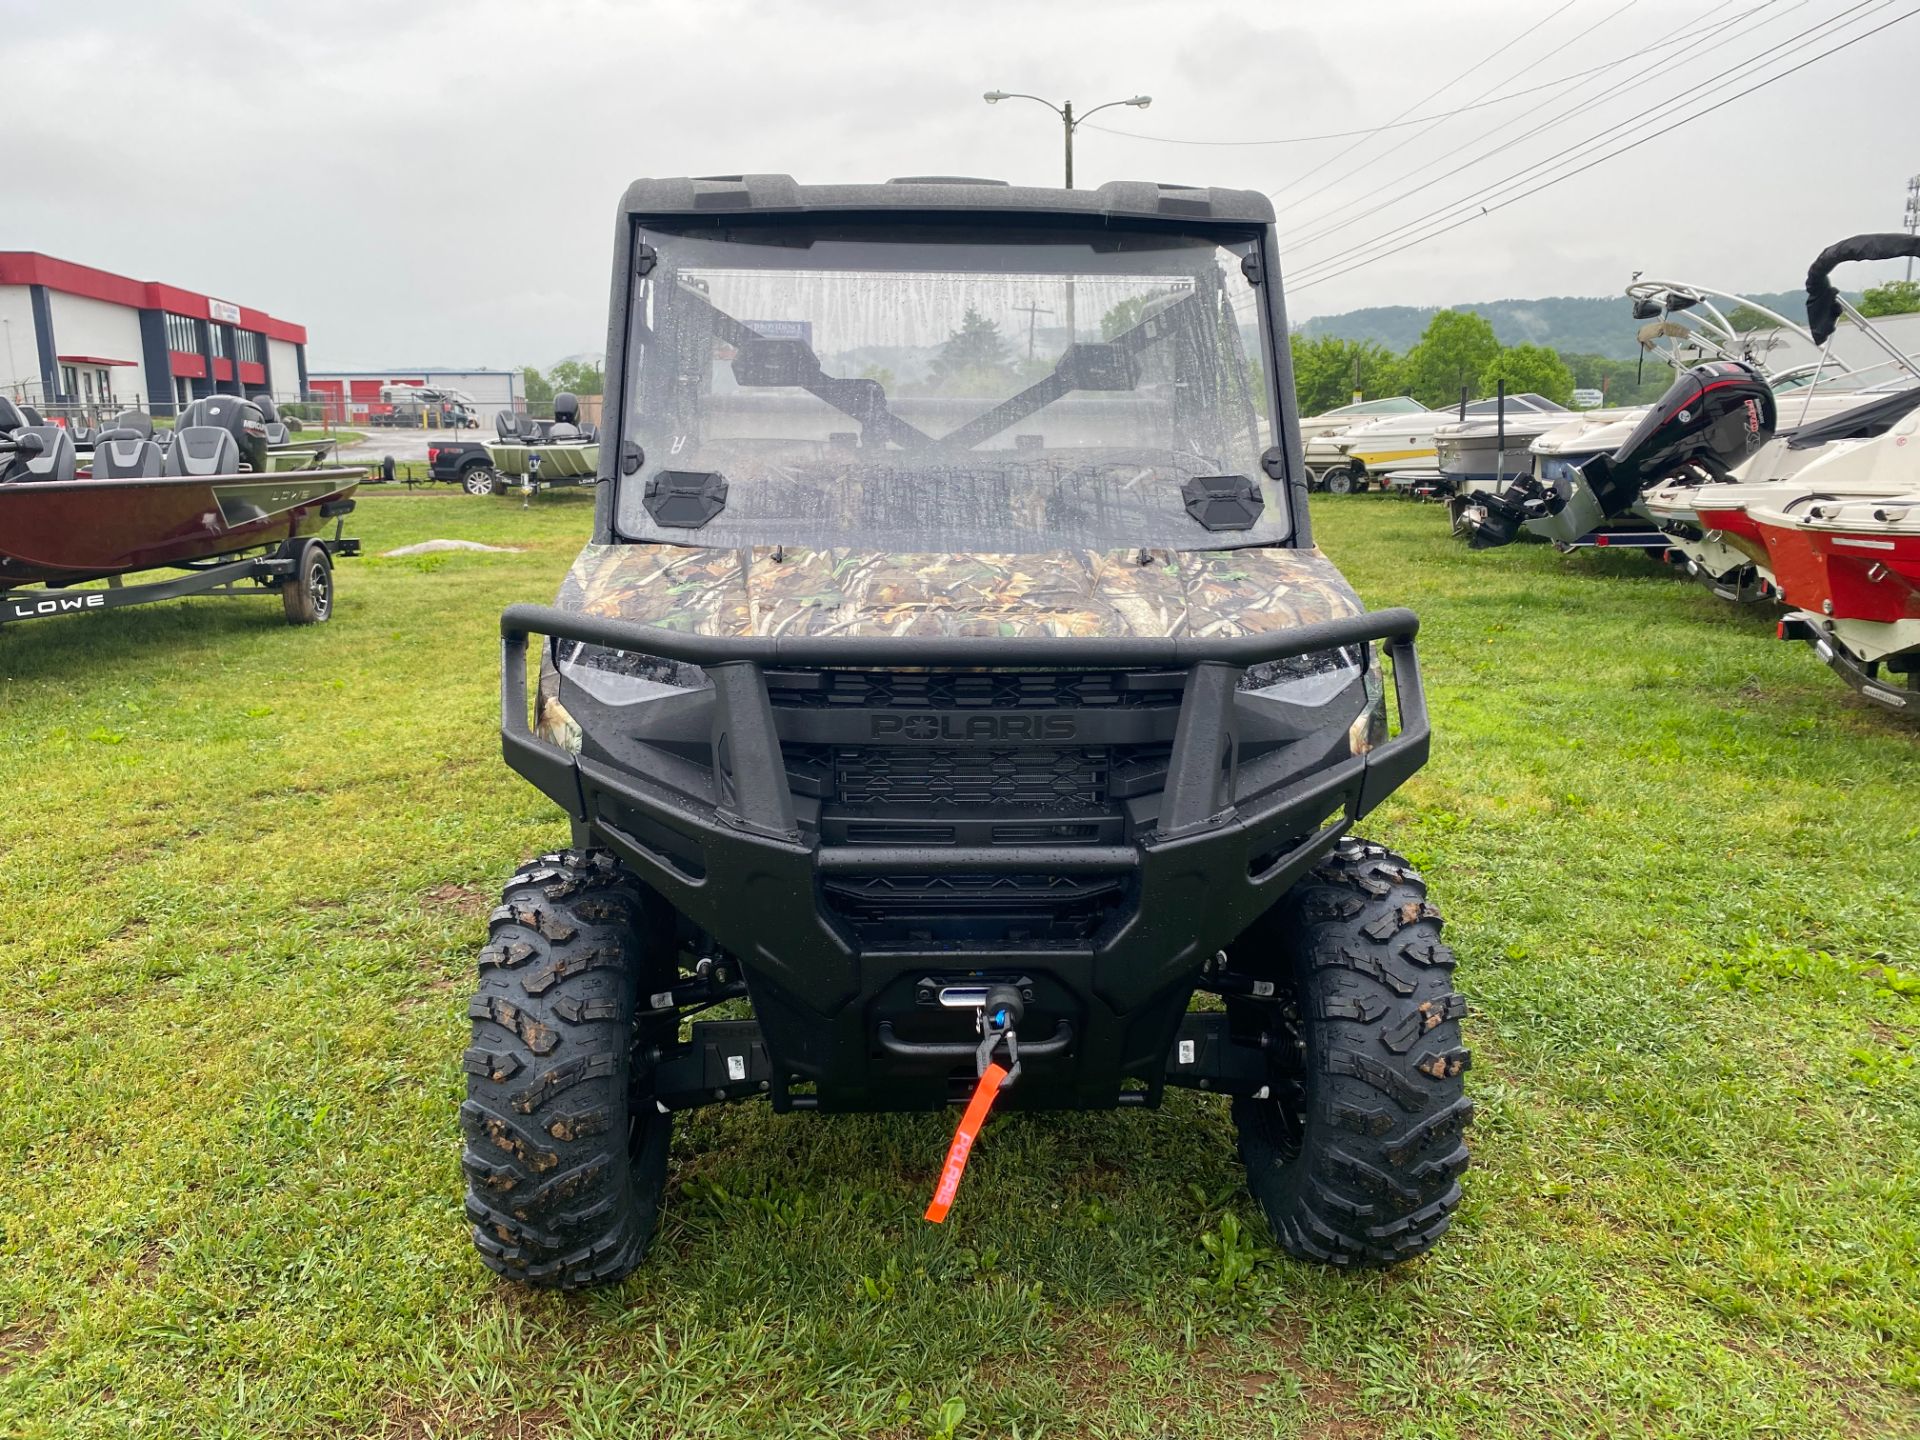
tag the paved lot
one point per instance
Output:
(402, 444)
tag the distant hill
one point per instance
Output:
(1577, 324)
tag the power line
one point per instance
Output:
(1674, 60)
(1631, 145)
(1591, 142)
(1500, 84)
(1374, 129)
(1484, 60)
(1553, 84)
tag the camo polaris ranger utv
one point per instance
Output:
(952, 676)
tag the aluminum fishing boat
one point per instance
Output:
(533, 455)
(196, 506)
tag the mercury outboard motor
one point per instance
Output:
(240, 418)
(1714, 416)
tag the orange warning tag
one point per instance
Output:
(971, 1120)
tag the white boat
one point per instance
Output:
(1364, 455)
(1480, 451)
(1317, 432)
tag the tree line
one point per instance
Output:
(1459, 350)
(582, 377)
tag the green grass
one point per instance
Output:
(249, 866)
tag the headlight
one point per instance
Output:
(1315, 680)
(1306, 679)
(622, 677)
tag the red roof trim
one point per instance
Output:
(29, 267)
(91, 360)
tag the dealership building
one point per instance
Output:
(358, 397)
(73, 338)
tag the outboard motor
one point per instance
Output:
(11, 418)
(566, 417)
(1714, 416)
(240, 418)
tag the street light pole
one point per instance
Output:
(1065, 111)
(1068, 124)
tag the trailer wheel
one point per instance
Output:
(1339, 481)
(308, 595)
(1355, 1154)
(480, 479)
(566, 1151)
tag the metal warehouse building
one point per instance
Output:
(353, 396)
(75, 340)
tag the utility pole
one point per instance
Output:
(1033, 313)
(1913, 215)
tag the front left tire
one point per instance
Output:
(566, 1151)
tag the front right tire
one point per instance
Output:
(566, 1151)
(1356, 1153)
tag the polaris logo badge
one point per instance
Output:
(27, 609)
(974, 727)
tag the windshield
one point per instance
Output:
(920, 388)
(1398, 405)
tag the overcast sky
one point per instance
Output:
(433, 182)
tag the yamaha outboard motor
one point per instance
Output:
(239, 418)
(1714, 416)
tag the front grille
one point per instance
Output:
(1040, 778)
(973, 912)
(972, 690)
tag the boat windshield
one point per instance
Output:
(942, 388)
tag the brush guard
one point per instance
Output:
(1212, 861)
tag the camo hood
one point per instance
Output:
(788, 591)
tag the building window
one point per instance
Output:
(183, 334)
(252, 345)
(69, 383)
(219, 341)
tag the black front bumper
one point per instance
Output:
(1222, 848)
